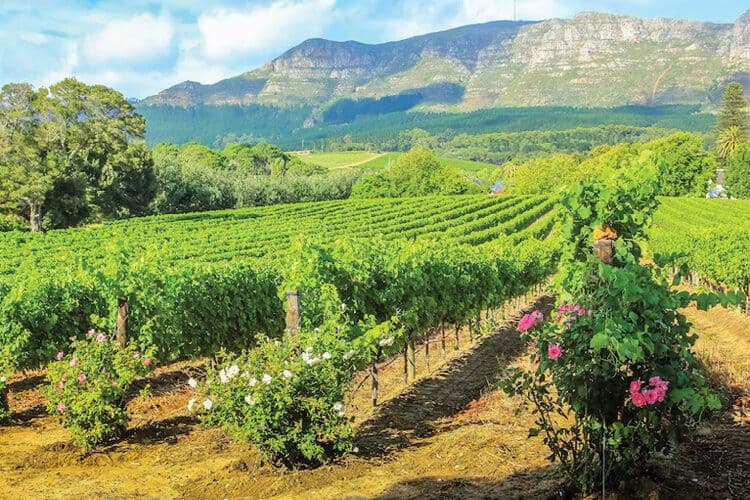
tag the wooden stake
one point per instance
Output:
(442, 336)
(427, 350)
(458, 327)
(292, 313)
(412, 357)
(406, 364)
(121, 325)
(374, 391)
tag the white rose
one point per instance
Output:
(190, 405)
(267, 379)
(287, 374)
(207, 404)
(253, 381)
(233, 371)
(192, 382)
(326, 355)
(249, 400)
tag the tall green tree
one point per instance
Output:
(417, 173)
(733, 122)
(737, 171)
(27, 170)
(74, 151)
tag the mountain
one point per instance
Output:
(592, 60)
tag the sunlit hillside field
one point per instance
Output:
(377, 161)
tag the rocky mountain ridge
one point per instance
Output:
(591, 60)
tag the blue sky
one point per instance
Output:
(142, 46)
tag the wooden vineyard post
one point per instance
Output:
(406, 363)
(121, 324)
(4, 406)
(374, 376)
(292, 315)
(411, 356)
(471, 331)
(458, 327)
(427, 350)
(442, 336)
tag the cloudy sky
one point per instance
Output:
(142, 46)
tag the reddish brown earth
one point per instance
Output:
(450, 434)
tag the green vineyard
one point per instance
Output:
(196, 283)
(246, 235)
(710, 237)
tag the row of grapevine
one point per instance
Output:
(710, 237)
(254, 233)
(197, 283)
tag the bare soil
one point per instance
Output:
(449, 434)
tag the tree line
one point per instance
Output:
(74, 153)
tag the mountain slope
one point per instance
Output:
(590, 60)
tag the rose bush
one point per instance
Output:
(289, 398)
(614, 378)
(89, 384)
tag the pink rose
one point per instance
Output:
(60, 355)
(101, 337)
(61, 407)
(651, 396)
(91, 332)
(661, 393)
(638, 400)
(61, 385)
(635, 387)
(655, 381)
(554, 351)
(82, 378)
(73, 362)
(526, 323)
(136, 355)
(147, 362)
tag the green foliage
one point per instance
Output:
(417, 173)
(737, 172)
(219, 125)
(287, 400)
(193, 177)
(541, 175)
(733, 122)
(73, 152)
(7, 367)
(685, 167)
(709, 237)
(88, 387)
(733, 112)
(196, 283)
(39, 314)
(618, 328)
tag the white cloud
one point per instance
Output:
(479, 11)
(138, 38)
(419, 18)
(261, 29)
(64, 67)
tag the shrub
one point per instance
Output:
(7, 366)
(616, 358)
(88, 387)
(288, 398)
